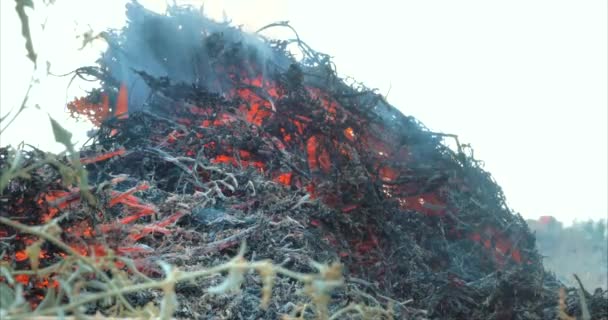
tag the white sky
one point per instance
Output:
(524, 81)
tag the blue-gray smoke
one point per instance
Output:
(176, 45)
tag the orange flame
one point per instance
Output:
(122, 104)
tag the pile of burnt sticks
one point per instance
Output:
(209, 137)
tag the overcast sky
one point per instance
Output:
(524, 81)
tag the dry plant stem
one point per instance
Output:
(96, 317)
(581, 293)
(44, 271)
(23, 104)
(364, 311)
(214, 246)
(37, 231)
(176, 276)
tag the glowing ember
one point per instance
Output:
(380, 181)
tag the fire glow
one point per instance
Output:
(296, 135)
(343, 147)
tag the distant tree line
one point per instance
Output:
(581, 248)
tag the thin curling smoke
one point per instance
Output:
(175, 45)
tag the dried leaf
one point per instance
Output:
(25, 27)
(61, 134)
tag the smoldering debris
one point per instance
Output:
(225, 138)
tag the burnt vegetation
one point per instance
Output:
(210, 138)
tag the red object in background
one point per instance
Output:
(547, 220)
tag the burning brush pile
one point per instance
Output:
(229, 179)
